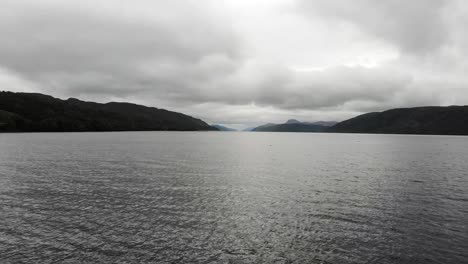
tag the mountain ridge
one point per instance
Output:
(293, 125)
(425, 120)
(223, 128)
(34, 112)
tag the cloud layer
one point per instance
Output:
(240, 62)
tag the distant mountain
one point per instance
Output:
(324, 123)
(291, 125)
(223, 128)
(30, 112)
(451, 120)
(248, 129)
(263, 127)
(292, 121)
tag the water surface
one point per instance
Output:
(211, 197)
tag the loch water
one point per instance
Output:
(221, 197)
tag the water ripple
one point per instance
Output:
(232, 198)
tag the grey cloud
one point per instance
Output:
(287, 89)
(183, 55)
(84, 52)
(416, 26)
(337, 86)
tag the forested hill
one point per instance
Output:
(436, 120)
(31, 112)
(293, 125)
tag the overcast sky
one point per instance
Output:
(240, 62)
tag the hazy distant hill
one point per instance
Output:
(223, 128)
(324, 123)
(263, 127)
(248, 129)
(30, 112)
(451, 120)
(291, 125)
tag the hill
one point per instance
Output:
(291, 125)
(324, 123)
(223, 128)
(31, 112)
(248, 129)
(451, 120)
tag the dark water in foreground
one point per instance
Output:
(161, 197)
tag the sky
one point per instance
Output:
(240, 63)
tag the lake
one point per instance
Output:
(213, 197)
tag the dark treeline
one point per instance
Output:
(28, 112)
(436, 120)
(431, 120)
(296, 127)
